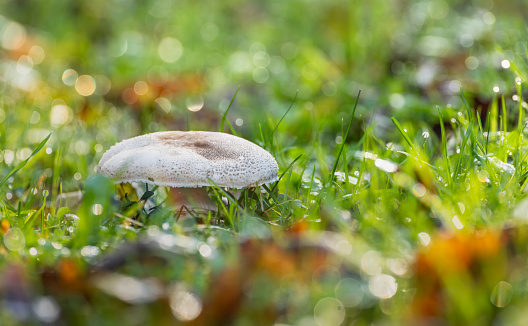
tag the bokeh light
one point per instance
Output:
(329, 311)
(185, 305)
(383, 286)
(170, 49)
(501, 294)
(14, 239)
(194, 103)
(85, 85)
(69, 77)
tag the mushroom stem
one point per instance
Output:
(195, 199)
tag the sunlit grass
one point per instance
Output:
(402, 203)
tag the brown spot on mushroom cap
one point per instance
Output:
(189, 159)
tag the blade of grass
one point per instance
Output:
(227, 110)
(402, 132)
(270, 136)
(24, 162)
(520, 124)
(444, 147)
(286, 170)
(344, 138)
(470, 119)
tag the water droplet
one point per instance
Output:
(505, 64)
(386, 165)
(90, 251)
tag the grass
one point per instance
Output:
(402, 203)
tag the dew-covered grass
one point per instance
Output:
(398, 128)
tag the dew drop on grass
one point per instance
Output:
(483, 176)
(90, 251)
(57, 245)
(386, 165)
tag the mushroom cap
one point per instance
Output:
(189, 159)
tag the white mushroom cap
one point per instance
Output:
(189, 159)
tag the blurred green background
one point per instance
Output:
(95, 72)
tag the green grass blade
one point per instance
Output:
(270, 136)
(444, 147)
(23, 163)
(286, 170)
(334, 168)
(402, 132)
(227, 110)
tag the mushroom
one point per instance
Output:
(188, 161)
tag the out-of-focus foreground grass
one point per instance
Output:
(416, 216)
